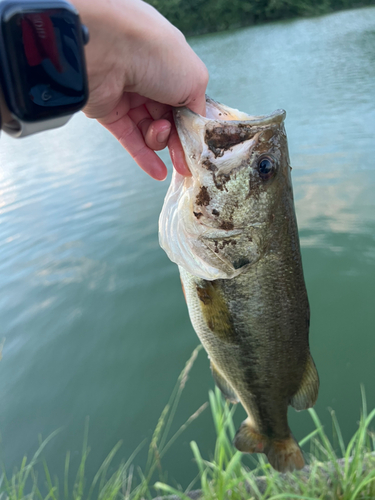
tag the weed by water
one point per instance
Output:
(348, 474)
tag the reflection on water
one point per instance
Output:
(91, 308)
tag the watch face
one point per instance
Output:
(47, 76)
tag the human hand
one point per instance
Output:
(139, 67)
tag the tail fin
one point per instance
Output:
(283, 454)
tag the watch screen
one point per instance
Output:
(46, 63)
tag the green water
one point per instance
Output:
(91, 308)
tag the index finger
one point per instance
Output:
(196, 104)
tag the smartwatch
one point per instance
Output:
(43, 78)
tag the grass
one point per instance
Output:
(328, 477)
(345, 474)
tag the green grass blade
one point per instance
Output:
(234, 462)
(308, 438)
(287, 496)
(66, 476)
(338, 433)
(102, 472)
(369, 479)
(176, 395)
(325, 441)
(170, 490)
(183, 427)
(49, 481)
(198, 458)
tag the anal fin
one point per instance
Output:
(223, 385)
(307, 393)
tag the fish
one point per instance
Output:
(231, 228)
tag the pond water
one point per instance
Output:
(91, 309)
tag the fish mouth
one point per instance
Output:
(222, 129)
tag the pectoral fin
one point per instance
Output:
(307, 393)
(223, 385)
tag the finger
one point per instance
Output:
(177, 153)
(130, 137)
(198, 105)
(157, 134)
(158, 110)
(197, 99)
(141, 117)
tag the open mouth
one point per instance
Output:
(223, 130)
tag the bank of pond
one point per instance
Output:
(205, 16)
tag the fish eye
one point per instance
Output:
(266, 167)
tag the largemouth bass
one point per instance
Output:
(232, 230)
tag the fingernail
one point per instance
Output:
(163, 136)
(162, 175)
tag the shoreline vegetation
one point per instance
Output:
(336, 471)
(195, 17)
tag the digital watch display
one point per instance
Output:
(42, 65)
